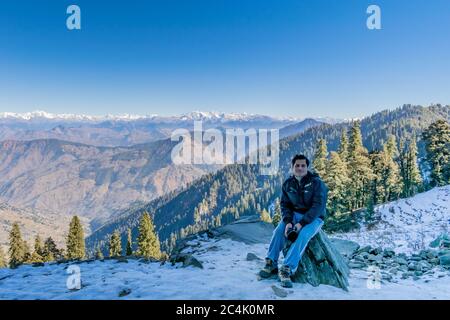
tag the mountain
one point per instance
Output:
(33, 222)
(298, 127)
(124, 130)
(240, 189)
(72, 178)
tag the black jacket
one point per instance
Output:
(308, 197)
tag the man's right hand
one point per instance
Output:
(288, 226)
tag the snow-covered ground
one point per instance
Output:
(227, 274)
(407, 225)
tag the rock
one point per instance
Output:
(346, 248)
(124, 292)
(357, 265)
(444, 260)
(375, 258)
(386, 276)
(365, 249)
(121, 259)
(412, 266)
(434, 261)
(388, 253)
(418, 273)
(279, 292)
(38, 264)
(322, 264)
(252, 257)
(415, 258)
(376, 251)
(445, 244)
(393, 271)
(415, 278)
(400, 260)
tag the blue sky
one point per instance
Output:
(285, 58)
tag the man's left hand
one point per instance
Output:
(298, 226)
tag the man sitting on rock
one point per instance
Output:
(303, 202)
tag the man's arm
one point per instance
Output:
(318, 204)
(286, 206)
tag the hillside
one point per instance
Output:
(237, 190)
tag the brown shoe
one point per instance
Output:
(269, 270)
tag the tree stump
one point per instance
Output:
(321, 263)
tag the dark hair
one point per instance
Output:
(300, 157)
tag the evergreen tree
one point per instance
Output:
(148, 241)
(27, 253)
(343, 147)
(437, 141)
(265, 216)
(75, 240)
(3, 263)
(115, 246)
(413, 177)
(99, 254)
(38, 250)
(359, 169)
(16, 247)
(337, 181)
(129, 244)
(320, 158)
(277, 213)
(391, 178)
(51, 252)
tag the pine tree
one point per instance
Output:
(148, 241)
(27, 253)
(337, 181)
(265, 216)
(277, 214)
(16, 247)
(359, 169)
(50, 251)
(413, 177)
(99, 254)
(391, 177)
(38, 250)
(3, 263)
(437, 141)
(115, 245)
(129, 244)
(343, 147)
(75, 240)
(320, 158)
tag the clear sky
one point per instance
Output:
(297, 58)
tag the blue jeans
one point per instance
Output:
(297, 248)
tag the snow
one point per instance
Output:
(191, 116)
(226, 274)
(407, 225)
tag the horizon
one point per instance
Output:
(173, 57)
(130, 116)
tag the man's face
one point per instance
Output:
(300, 168)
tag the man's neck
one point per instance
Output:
(299, 178)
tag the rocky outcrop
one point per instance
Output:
(322, 264)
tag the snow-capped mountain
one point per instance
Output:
(127, 129)
(194, 115)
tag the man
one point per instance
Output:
(303, 202)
